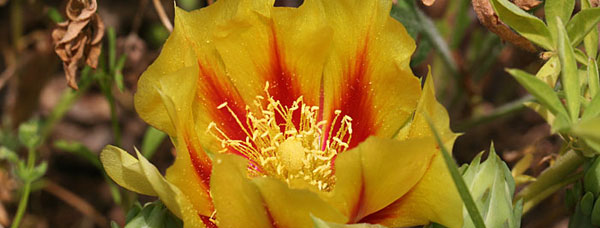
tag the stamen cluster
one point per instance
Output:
(286, 145)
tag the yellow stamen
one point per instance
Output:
(286, 151)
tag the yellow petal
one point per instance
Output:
(293, 207)
(262, 201)
(237, 200)
(191, 173)
(433, 199)
(267, 47)
(428, 106)
(367, 75)
(173, 58)
(377, 173)
(191, 170)
(426, 201)
(140, 176)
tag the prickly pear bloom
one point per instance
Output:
(279, 115)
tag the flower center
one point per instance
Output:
(288, 143)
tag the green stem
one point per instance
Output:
(113, 112)
(551, 178)
(502, 111)
(532, 202)
(26, 190)
(22, 205)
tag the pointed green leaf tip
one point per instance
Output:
(492, 187)
(154, 215)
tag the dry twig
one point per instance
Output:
(489, 19)
(527, 4)
(76, 202)
(163, 16)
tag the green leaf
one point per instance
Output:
(32, 174)
(540, 90)
(152, 139)
(54, 15)
(80, 150)
(492, 186)
(38, 171)
(590, 42)
(438, 42)
(581, 24)
(596, 213)
(114, 224)
(29, 133)
(580, 57)
(524, 23)
(591, 147)
(518, 213)
(152, 215)
(461, 23)
(549, 71)
(569, 76)
(118, 73)
(424, 48)
(9, 155)
(593, 77)
(588, 130)
(461, 186)
(587, 203)
(591, 179)
(133, 211)
(557, 8)
(112, 48)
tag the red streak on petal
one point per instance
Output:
(213, 93)
(270, 216)
(207, 222)
(283, 87)
(201, 163)
(355, 99)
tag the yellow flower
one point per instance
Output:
(280, 114)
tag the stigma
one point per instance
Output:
(292, 143)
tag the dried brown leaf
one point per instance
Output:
(527, 4)
(79, 39)
(98, 29)
(93, 54)
(4, 221)
(73, 31)
(78, 10)
(487, 17)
